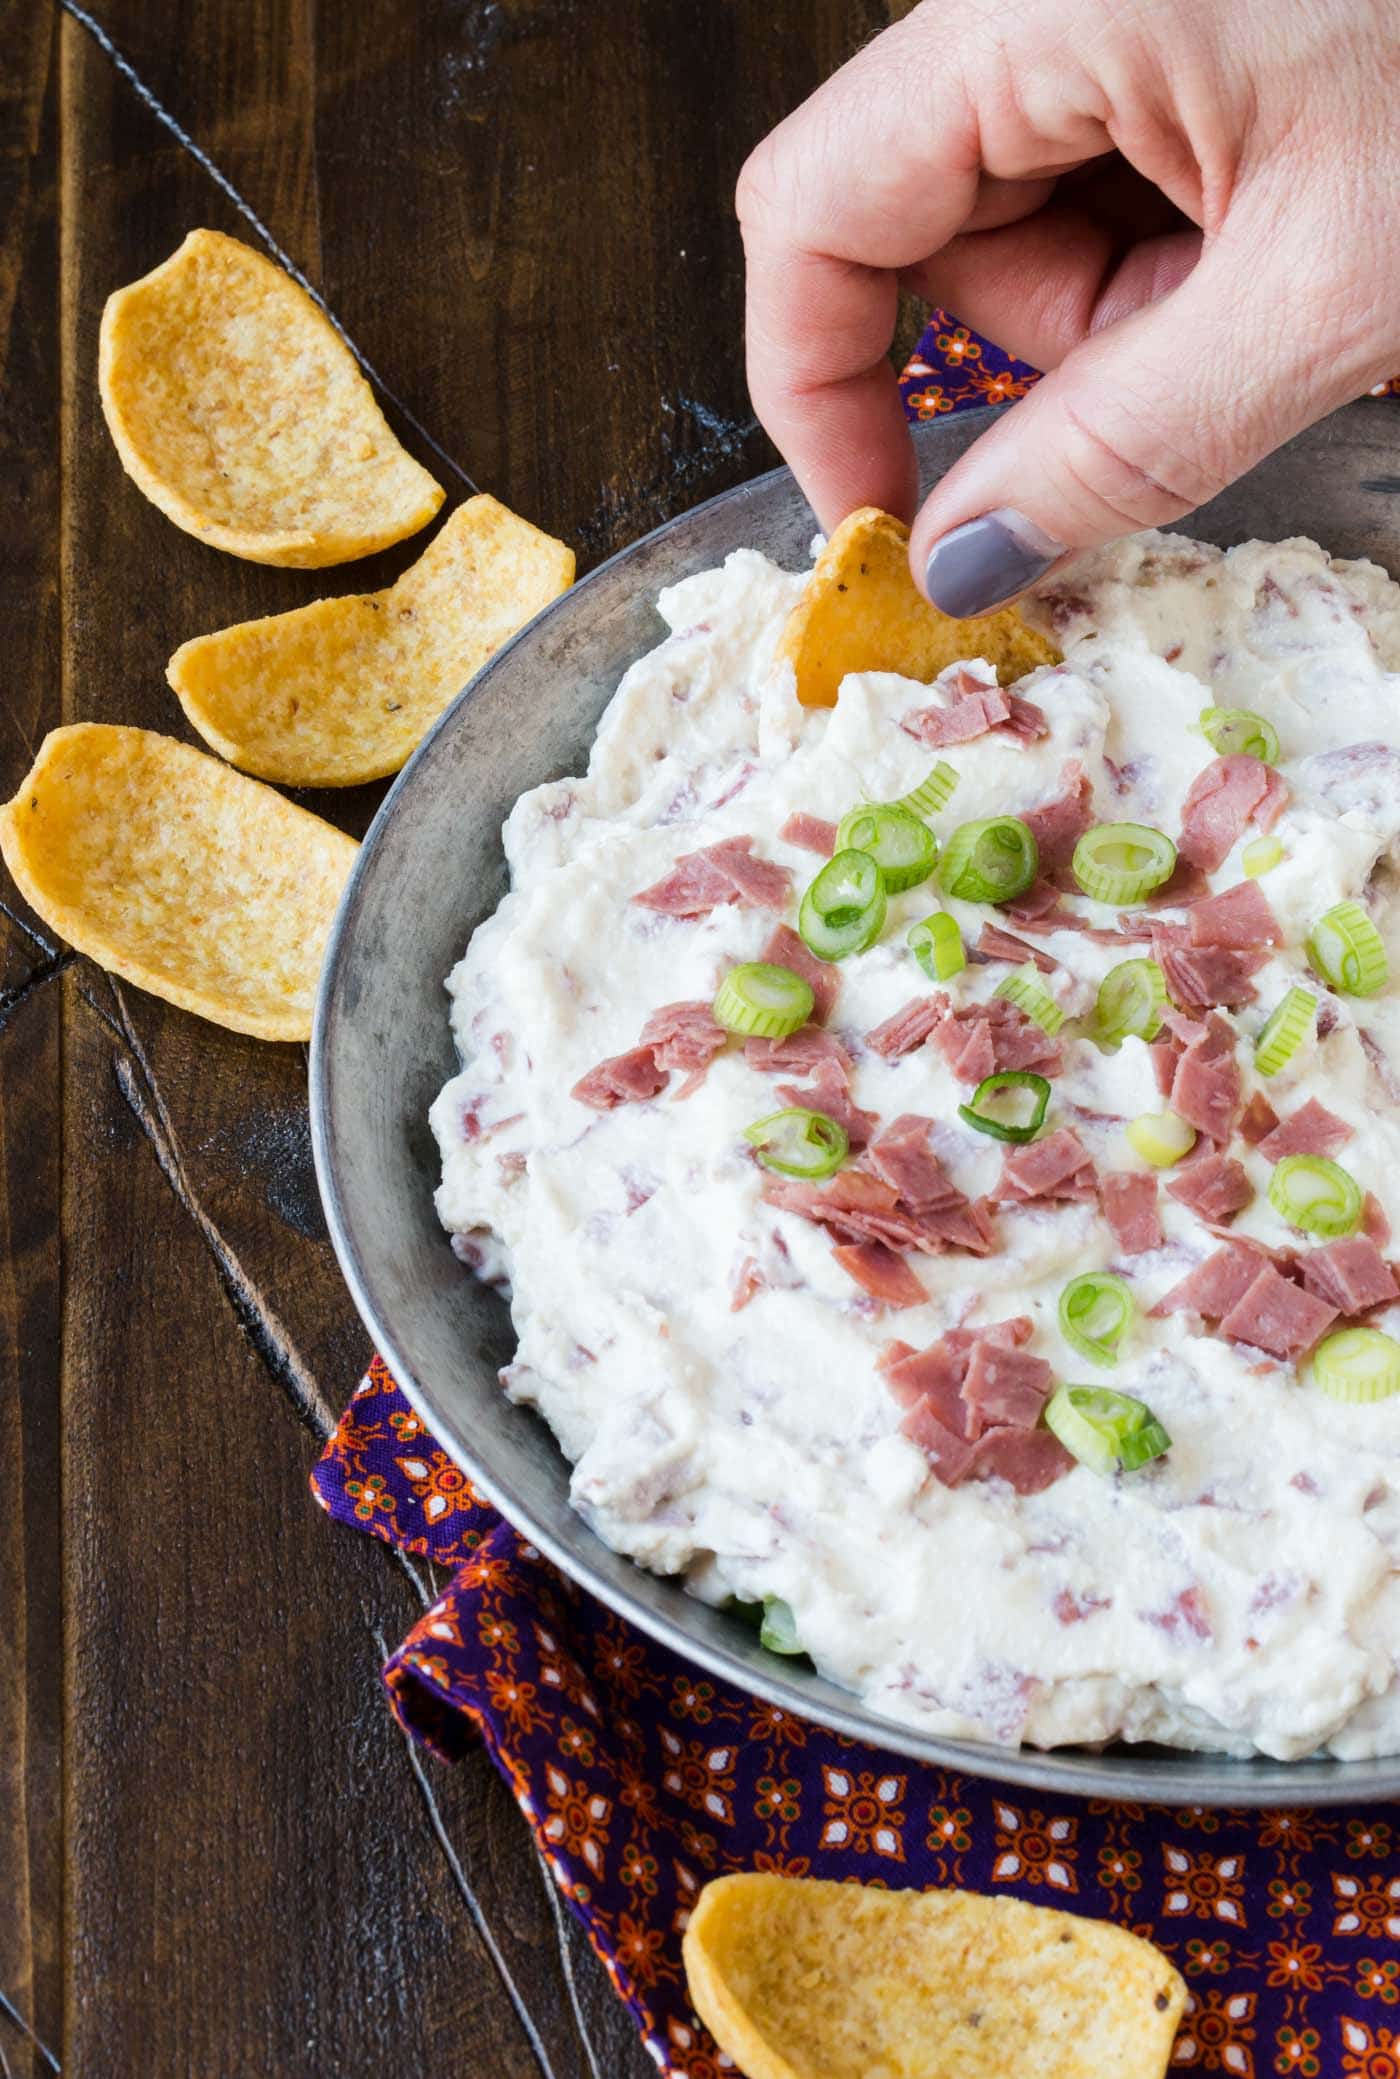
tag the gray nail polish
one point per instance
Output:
(987, 561)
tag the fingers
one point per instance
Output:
(859, 183)
(1142, 421)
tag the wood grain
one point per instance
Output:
(521, 212)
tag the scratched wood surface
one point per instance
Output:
(217, 1855)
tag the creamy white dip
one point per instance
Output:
(758, 1453)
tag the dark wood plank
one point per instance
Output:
(522, 214)
(31, 1640)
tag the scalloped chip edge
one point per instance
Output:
(861, 611)
(239, 411)
(170, 869)
(805, 1979)
(345, 690)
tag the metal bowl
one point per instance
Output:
(431, 869)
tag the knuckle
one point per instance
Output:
(1129, 466)
(758, 191)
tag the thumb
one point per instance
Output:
(1140, 423)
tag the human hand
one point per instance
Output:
(1187, 210)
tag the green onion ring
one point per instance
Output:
(1123, 862)
(1232, 730)
(799, 1143)
(1130, 1001)
(936, 944)
(1284, 1031)
(1108, 1432)
(902, 847)
(1317, 1195)
(933, 792)
(993, 860)
(843, 910)
(1358, 1364)
(762, 1001)
(1024, 988)
(778, 1631)
(991, 1087)
(1096, 1310)
(1347, 950)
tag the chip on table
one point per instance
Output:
(168, 868)
(240, 411)
(344, 690)
(861, 611)
(801, 1979)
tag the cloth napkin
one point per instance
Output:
(641, 1778)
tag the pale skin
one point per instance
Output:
(1186, 211)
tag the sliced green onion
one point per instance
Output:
(981, 1113)
(778, 1631)
(1358, 1364)
(1229, 730)
(936, 944)
(1024, 988)
(1261, 855)
(799, 1143)
(902, 847)
(932, 793)
(1346, 949)
(762, 1001)
(1161, 1138)
(1316, 1194)
(1284, 1031)
(1123, 862)
(1107, 1431)
(843, 911)
(1095, 1312)
(1130, 1001)
(994, 860)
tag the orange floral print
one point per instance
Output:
(1204, 1886)
(1032, 1849)
(862, 1813)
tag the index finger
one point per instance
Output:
(873, 173)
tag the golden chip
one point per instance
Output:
(800, 1979)
(344, 690)
(168, 868)
(238, 409)
(862, 611)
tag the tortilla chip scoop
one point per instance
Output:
(172, 870)
(800, 1979)
(862, 611)
(239, 410)
(344, 690)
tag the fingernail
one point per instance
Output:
(987, 561)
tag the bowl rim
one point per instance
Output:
(1156, 1775)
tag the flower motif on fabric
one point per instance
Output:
(1120, 1868)
(702, 1776)
(1296, 1830)
(1205, 1886)
(639, 1871)
(1032, 1849)
(1213, 1957)
(863, 1812)
(777, 1800)
(578, 1818)
(1217, 2033)
(1363, 1908)
(578, 1741)
(1369, 1837)
(515, 1701)
(1379, 1980)
(405, 1425)
(641, 1950)
(949, 1829)
(1296, 1964)
(957, 346)
(1369, 2053)
(1289, 1896)
(693, 1698)
(369, 1495)
(929, 403)
(1297, 2052)
(442, 1487)
(771, 1722)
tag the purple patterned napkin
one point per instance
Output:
(641, 1778)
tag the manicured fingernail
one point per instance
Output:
(987, 561)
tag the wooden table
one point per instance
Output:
(217, 1854)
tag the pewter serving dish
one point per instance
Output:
(431, 869)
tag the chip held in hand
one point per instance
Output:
(802, 1979)
(170, 869)
(862, 611)
(240, 411)
(345, 689)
